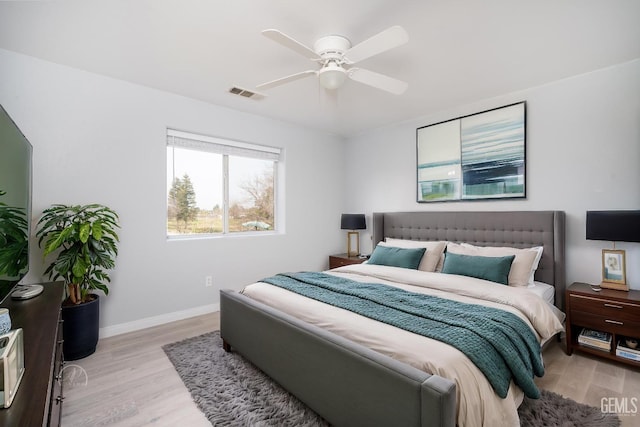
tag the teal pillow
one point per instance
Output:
(494, 269)
(397, 257)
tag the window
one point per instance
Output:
(217, 186)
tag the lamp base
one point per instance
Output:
(616, 286)
(353, 235)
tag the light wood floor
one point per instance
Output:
(130, 381)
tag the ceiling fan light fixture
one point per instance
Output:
(336, 57)
(332, 76)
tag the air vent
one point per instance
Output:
(246, 93)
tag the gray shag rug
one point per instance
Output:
(230, 391)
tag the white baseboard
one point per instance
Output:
(148, 322)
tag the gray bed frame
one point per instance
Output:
(351, 385)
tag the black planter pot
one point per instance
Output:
(80, 329)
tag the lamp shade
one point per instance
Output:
(353, 222)
(614, 226)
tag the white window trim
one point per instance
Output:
(226, 147)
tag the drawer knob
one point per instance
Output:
(615, 322)
(59, 399)
(613, 305)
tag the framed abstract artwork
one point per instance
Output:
(479, 156)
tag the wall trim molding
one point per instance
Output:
(148, 322)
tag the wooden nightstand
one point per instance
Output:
(615, 312)
(339, 260)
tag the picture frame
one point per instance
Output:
(614, 270)
(480, 156)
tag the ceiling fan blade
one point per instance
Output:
(387, 39)
(286, 41)
(380, 81)
(287, 79)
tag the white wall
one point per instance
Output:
(101, 140)
(583, 153)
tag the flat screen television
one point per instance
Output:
(15, 204)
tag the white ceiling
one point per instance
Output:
(459, 52)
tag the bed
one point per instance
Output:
(341, 377)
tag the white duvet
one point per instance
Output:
(478, 404)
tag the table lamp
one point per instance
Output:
(615, 226)
(353, 222)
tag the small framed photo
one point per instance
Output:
(614, 268)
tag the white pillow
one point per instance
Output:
(431, 257)
(522, 268)
(537, 249)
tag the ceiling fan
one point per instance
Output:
(336, 58)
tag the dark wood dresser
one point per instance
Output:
(38, 401)
(607, 310)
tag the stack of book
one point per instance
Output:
(595, 339)
(623, 350)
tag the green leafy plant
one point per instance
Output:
(86, 243)
(13, 240)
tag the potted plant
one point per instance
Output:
(13, 239)
(84, 242)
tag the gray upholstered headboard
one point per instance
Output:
(520, 229)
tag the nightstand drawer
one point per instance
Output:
(607, 308)
(605, 323)
(341, 260)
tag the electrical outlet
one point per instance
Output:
(208, 281)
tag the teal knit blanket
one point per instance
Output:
(499, 343)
